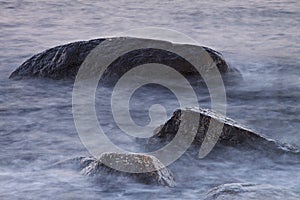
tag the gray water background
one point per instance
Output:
(261, 39)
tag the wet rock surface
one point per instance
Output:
(144, 164)
(63, 62)
(237, 191)
(58, 62)
(233, 134)
(151, 170)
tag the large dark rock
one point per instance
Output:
(63, 62)
(232, 134)
(237, 191)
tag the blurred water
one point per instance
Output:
(261, 39)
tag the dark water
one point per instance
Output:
(36, 122)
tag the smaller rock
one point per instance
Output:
(149, 169)
(249, 191)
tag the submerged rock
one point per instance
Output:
(63, 62)
(77, 163)
(237, 191)
(232, 134)
(131, 163)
